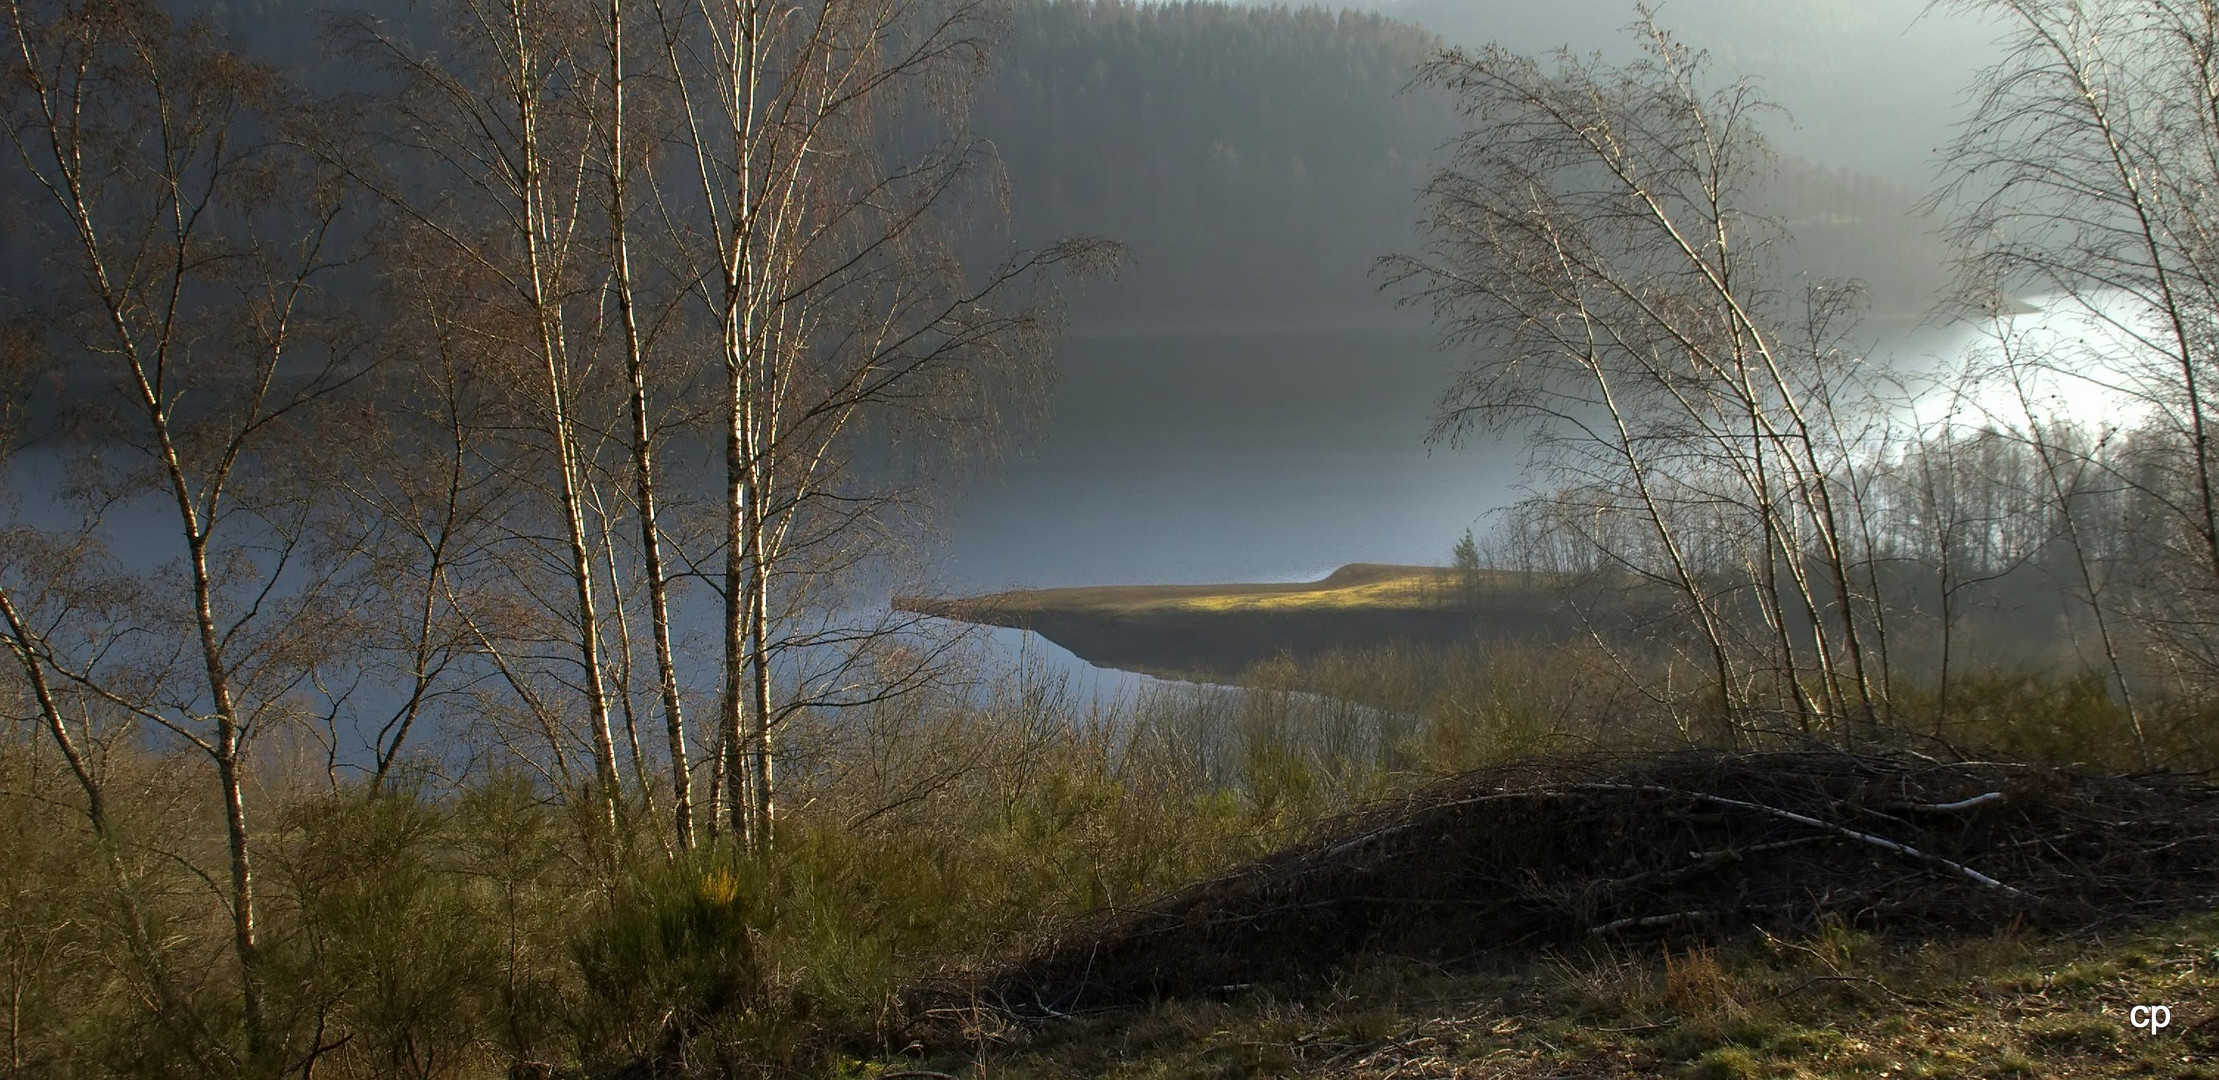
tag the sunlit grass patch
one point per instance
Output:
(1414, 591)
(1358, 586)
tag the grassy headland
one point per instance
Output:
(1216, 632)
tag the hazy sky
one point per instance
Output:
(1874, 84)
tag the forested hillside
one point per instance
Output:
(1255, 162)
(1252, 160)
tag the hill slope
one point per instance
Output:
(1825, 914)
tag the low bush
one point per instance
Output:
(440, 928)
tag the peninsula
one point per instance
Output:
(1217, 632)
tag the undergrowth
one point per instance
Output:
(488, 926)
(1837, 1003)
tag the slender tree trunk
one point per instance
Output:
(245, 940)
(1828, 523)
(536, 219)
(742, 323)
(1690, 586)
(713, 814)
(763, 767)
(588, 622)
(643, 443)
(2089, 586)
(1779, 549)
(737, 622)
(228, 746)
(21, 644)
(1945, 548)
(420, 674)
(620, 607)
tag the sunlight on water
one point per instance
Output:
(2094, 365)
(1023, 650)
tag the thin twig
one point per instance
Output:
(1953, 807)
(1644, 922)
(1880, 842)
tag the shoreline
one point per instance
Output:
(1216, 633)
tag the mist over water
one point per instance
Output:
(1194, 457)
(1876, 85)
(1186, 457)
(2099, 365)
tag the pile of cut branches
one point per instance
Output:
(1557, 852)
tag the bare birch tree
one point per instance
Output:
(2085, 175)
(186, 297)
(490, 160)
(851, 334)
(625, 198)
(420, 495)
(1594, 238)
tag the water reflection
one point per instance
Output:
(1197, 458)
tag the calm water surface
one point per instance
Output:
(1215, 457)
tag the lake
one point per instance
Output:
(1189, 457)
(1198, 457)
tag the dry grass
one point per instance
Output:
(1371, 586)
(1830, 1004)
(1419, 589)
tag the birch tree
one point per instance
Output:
(1594, 241)
(188, 257)
(625, 199)
(2085, 175)
(851, 335)
(487, 154)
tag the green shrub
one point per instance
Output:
(667, 955)
(423, 928)
(2040, 717)
(1726, 1063)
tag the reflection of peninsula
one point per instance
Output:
(1216, 632)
